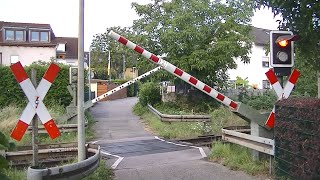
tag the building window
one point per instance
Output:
(42, 36)
(14, 35)
(265, 84)
(14, 59)
(9, 35)
(34, 36)
(19, 35)
(265, 61)
(265, 64)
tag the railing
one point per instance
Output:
(260, 144)
(71, 171)
(179, 118)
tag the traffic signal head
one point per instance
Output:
(281, 48)
(73, 75)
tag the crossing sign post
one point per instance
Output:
(35, 97)
(282, 93)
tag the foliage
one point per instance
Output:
(200, 37)
(149, 93)
(102, 173)
(167, 130)
(262, 102)
(13, 94)
(4, 145)
(307, 82)
(303, 18)
(14, 174)
(237, 158)
(242, 82)
(102, 44)
(221, 117)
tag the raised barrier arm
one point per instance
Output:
(241, 110)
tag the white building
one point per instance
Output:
(259, 61)
(30, 42)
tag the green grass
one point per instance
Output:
(103, 172)
(165, 129)
(220, 118)
(15, 174)
(238, 158)
(223, 117)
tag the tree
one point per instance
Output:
(102, 44)
(303, 18)
(200, 37)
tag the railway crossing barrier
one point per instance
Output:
(247, 113)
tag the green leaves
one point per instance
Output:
(201, 37)
(11, 93)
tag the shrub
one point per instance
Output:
(11, 93)
(4, 145)
(263, 102)
(149, 93)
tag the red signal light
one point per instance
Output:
(283, 43)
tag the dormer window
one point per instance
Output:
(42, 36)
(14, 35)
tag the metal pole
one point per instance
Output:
(35, 158)
(124, 66)
(81, 128)
(89, 79)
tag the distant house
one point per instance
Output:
(30, 42)
(259, 61)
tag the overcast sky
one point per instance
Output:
(62, 15)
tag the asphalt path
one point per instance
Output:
(136, 154)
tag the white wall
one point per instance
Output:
(254, 70)
(94, 87)
(27, 55)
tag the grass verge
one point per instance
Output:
(220, 117)
(238, 158)
(102, 173)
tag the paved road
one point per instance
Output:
(138, 155)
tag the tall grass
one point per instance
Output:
(168, 130)
(237, 158)
(15, 174)
(220, 118)
(102, 173)
(223, 117)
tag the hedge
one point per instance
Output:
(11, 93)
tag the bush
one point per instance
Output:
(263, 102)
(11, 93)
(149, 93)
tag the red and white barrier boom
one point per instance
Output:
(242, 110)
(281, 93)
(124, 85)
(35, 97)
